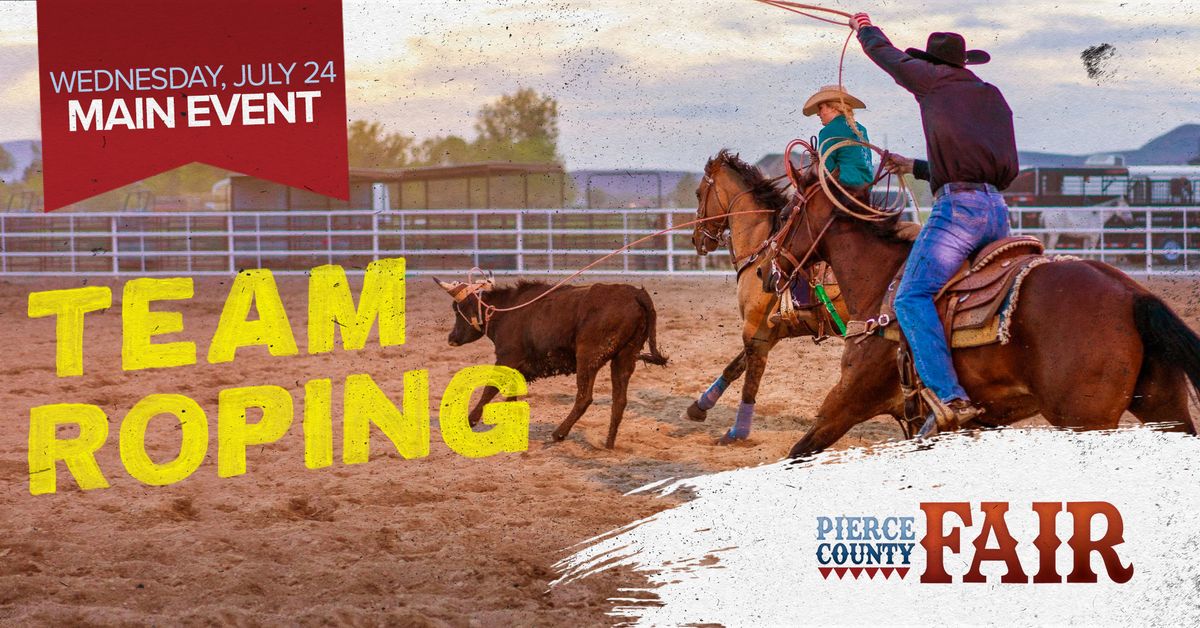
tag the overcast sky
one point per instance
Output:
(666, 83)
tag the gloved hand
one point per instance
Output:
(898, 164)
(860, 20)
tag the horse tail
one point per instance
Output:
(647, 305)
(1166, 337)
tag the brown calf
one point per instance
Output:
(574, 329)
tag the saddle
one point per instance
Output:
(800, 307)
(970, 305)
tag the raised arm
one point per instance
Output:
(915, 75)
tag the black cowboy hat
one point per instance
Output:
(949, 49)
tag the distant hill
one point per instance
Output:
(1175, 147)
(22, 155)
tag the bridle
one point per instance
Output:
(722, 238)
(479, 315)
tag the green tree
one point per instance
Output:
(192, 179)
(518, 127)
(6, 160)
(370, 147)
(6, 164)
(32, 177)
(444, 151)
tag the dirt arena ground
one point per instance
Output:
(438, 541)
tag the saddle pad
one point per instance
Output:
(972, 300)
(961, 338)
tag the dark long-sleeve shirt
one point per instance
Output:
(968, 125)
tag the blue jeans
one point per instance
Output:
(965, 218)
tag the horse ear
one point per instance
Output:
(808, 176)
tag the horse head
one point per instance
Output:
(714, 189)
(732, 187)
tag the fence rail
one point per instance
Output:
(1150, 240)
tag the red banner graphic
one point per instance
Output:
(132, 88)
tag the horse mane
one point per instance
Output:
(765, 191)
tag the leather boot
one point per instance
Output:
(950, 416)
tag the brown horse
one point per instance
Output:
(731, 186)
(1087, 342)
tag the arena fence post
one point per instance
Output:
(670, 241)
(374, 236)
(71, 227)
(112, 232)
(520, 241)
(258, 240)
(625, 238)
(475, 236)
(188, 240)
(229, 239)
(1149, 245)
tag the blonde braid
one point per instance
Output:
(847, 111)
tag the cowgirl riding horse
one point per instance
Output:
(835, 108)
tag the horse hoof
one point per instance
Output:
(800, 454)
(695, 413)
(557, 438)
(729, 438)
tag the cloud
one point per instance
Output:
(17, 20)
(19, 92)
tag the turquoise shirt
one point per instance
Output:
(854, 161)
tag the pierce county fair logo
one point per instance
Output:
(870, 546)
(865, 546)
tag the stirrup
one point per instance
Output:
(945, 416)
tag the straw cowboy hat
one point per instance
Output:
(950, 49)
(835, 93)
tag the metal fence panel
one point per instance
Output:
(1141, 240)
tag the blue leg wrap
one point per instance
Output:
(741, 427)
(714, 392)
